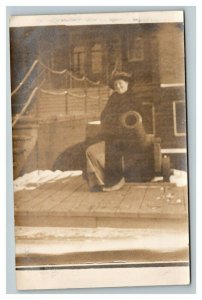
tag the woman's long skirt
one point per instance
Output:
(104, 163)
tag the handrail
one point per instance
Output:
(92, 97)
(17, 117)
(51, 70)
(75, 95)
(84, 78)
(75, 77)
(62, 93)
(69, 73)
(25, 78)
(53, 93)
(92, 82)
(67, 92)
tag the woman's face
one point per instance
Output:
(120, 86)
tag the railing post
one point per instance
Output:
(66, 94)
(38, 94)
(85, 90)
(70, 81)
(66, 103)
(99, 99)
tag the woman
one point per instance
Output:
(105, 160)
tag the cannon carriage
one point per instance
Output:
(142, 157)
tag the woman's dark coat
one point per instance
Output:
(115, 107)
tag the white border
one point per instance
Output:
(118, 292)
(98, 18)
(3, 146)
(85, 278)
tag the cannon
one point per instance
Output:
(142, 155)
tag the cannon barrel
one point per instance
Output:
(131, 119)
(127, 125)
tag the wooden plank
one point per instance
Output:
(131, 203)
(174, 202)
(84, 202)
(48, 193)
(87, 202)
(41, 182)
(81, 201)
(53, 201)
(110, 202)
(63, 219)
(71, 200)
(22, 198)
(152, 203)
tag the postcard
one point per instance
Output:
(99, 150)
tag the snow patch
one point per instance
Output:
(31, 181)
(49, 240)
(179, 178)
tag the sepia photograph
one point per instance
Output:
(99, 137)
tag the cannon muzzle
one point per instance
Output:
(131, 120)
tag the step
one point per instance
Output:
(21, 126)
(18, 150)
(29, 118)
(22, 137)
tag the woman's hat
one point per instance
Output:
(119, 75)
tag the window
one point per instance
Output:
(135, 49)
(96, 59)
(78, 60)
(179, 118)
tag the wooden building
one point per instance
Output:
(72, 72)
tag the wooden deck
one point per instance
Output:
(68, 203)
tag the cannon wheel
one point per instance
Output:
(166, 167)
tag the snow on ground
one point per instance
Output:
(179, 178)
(49, 240)
(31, 181)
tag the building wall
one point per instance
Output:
(171, 53)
